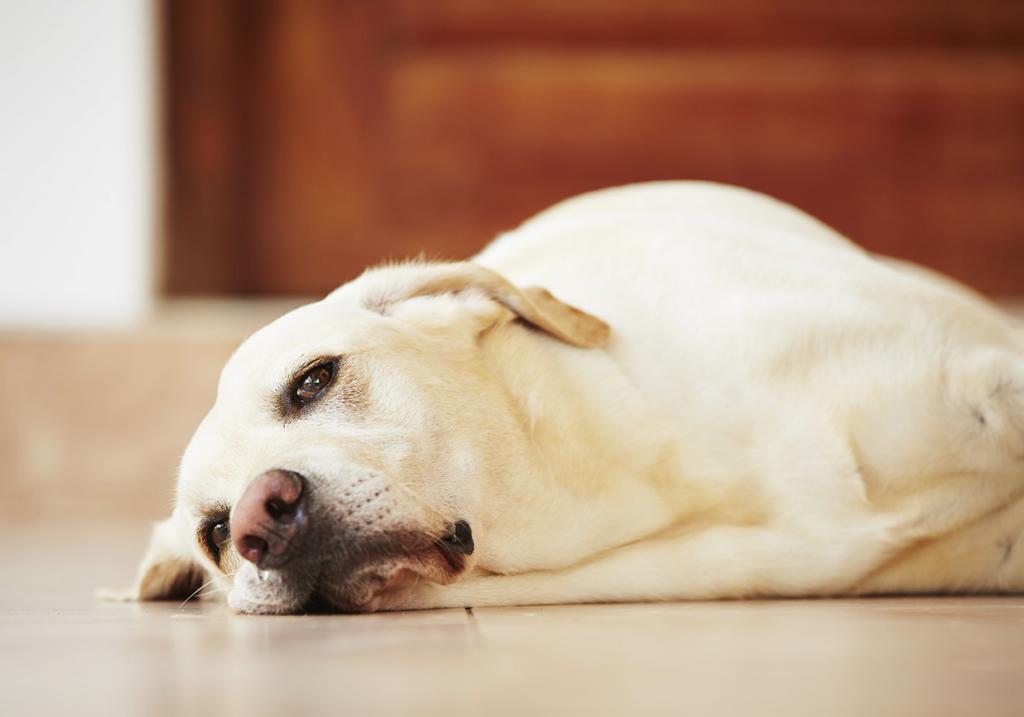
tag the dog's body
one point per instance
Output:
(775, 413)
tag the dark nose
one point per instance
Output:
(269, 518)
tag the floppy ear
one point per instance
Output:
(534, 305)
(168, 571)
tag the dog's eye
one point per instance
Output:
(313, 383)
(216, 536)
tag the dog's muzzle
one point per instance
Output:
(300, 557)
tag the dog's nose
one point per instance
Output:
(269, 518)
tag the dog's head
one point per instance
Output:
(356, 445)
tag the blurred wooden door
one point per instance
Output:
(308, 139)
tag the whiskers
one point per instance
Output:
(202, 591)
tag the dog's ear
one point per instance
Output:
(168, 571)
(382, 288)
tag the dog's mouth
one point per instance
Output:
(363, 575)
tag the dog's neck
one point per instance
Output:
(598, 469)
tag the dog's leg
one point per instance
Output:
(985, 556)
(720, 562)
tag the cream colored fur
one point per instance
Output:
(774, 413)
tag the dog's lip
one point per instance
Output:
(458, 541)
(435, 558)
(455, 559)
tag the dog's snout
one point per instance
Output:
(269, 518)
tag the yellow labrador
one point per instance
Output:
(720, 397)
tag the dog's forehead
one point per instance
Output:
(316, 330)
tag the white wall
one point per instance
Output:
(77, 162)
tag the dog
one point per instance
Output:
(664, 391)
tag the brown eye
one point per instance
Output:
(313, 383)
(216, 536)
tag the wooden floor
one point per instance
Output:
(63, 652)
